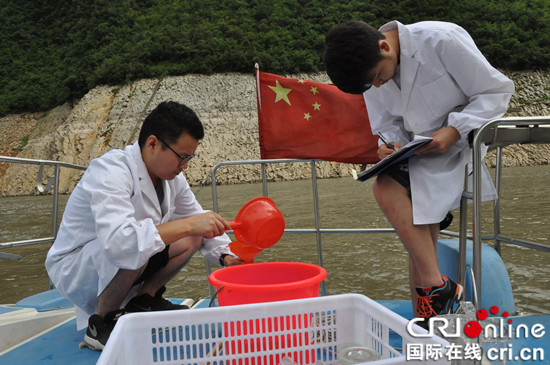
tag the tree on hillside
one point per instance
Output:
(55, 51)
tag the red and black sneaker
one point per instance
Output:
(436, 300)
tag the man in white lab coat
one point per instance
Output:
(132, 223)
(430, 80)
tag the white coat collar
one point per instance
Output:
(144, 180)
(167, 199)
(409, 64)
(407, 61)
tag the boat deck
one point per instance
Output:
(60, 345)
(57, 346)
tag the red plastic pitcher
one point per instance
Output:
(258, 225)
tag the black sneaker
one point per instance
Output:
(433, 301)
(147, 303)
(99, 330)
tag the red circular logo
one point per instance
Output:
(472, 329)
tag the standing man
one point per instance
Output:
(431, 80)
(132, 223)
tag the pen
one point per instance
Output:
(386, 141)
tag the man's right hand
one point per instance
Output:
(208, 225)
(384, 151)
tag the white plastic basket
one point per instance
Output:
(306, 330)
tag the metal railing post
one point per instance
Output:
(462, 237)
(496, 206)
(317, 221)
(264, 179)
(55, 207)
(476, 213)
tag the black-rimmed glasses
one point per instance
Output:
(183, 159)
(366, 87)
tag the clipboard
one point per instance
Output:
(403, 153)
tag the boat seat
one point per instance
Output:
(495, 281)
(5, 309)
(45, 301)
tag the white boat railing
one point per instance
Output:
(317, 230)
(52, 181)
(497, 134)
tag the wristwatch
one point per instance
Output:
(222, 257)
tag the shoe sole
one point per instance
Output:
(456, 299)
(92, 343)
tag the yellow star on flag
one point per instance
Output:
(314, 90)
(281, 92)
(307, 116)
(316, 106)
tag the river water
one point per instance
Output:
(371, 264)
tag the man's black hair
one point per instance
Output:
(351, 52)
(168, 121)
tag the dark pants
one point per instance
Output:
(155, 263)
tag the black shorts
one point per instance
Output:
(155, 263)
(400, 173)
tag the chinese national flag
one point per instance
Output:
(312, 120)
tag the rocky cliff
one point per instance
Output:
(110, 117)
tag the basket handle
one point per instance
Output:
(214, 297)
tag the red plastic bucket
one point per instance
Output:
(267, 282)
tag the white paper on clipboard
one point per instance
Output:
(403, 153)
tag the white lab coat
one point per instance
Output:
(109, 224)
(445, 81)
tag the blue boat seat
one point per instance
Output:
(496, 288)
(45, 301)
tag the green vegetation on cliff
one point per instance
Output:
(54, 51)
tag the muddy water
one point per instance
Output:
(371, 264)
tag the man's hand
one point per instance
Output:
(384, 151)
(208, 225)
(230, 261)
(443, 140)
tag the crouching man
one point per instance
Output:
(132, 223)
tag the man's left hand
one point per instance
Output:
(230, 261)
(443, 140)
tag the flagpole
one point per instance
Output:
(257, 68)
